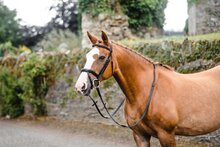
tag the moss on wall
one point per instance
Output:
(178, 54)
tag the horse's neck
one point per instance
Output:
(133, 73)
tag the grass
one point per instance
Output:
(180, 39)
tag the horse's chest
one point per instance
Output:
(145, 129)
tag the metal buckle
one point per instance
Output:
(96, 83)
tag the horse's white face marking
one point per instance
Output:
(83, 78)
(90, 57)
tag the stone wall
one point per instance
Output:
(204, 17)
(116, 27)
(78, 107)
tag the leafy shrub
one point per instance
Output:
(59, 39)
(38, 73)
(94, 7)
(205, 50)
(10, 102)
(151, 11)
(33, 83)
(144, 13)
(29, 81)
(6, 48)
(177, 54)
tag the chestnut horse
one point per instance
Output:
(181, 104)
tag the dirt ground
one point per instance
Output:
(51, 132)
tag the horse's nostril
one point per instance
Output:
(80, 86)
(84, 86)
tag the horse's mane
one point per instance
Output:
(145, 58)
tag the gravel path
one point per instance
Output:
(47, 132)
(26, 134)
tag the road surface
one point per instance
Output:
(32, 134)
(57, 133)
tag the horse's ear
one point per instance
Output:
(105, 38)
(92, 38)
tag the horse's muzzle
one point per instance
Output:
(83, 88)
(86, 92)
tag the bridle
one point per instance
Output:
(95, 83)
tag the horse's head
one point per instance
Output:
(99, 64)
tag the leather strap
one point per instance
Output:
(98, 76)
(146, 107)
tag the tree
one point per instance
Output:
(144, 13)
(66, 18)
(31, 35)
(141, 13)
(66, 15)
(9, 26)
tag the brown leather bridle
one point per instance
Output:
(95, 83)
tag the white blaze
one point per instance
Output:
(83, 78)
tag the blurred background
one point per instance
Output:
(43, 46)
(32, 23)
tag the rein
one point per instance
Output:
(96, 83)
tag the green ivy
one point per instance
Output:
(94, 7)
(191, 2)
(141, 13)
(174, 54)
(144, 13)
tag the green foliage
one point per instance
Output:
(176, 39)
(29, 81)
(186, 27)
(205, 50)
(178, 53)
(191, 2)
(58, 39)
(10, 102)
(144, 13)
(141, 13)
(33, 83)
(66, 18)
(37, 74)
(94, 7)
(66, 15)
(6, 48)
(9, 26)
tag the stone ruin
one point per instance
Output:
(116, 27)
(204, 17)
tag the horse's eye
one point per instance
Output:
(101, 57)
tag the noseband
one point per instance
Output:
(95, 82)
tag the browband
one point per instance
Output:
(103, 46)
